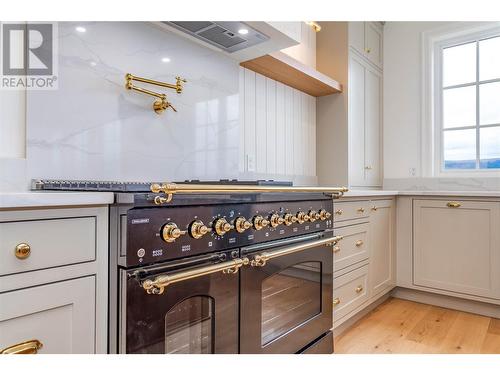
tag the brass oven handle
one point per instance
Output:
(453, 204)
(261, 259)
(158, 285)
(27, 347)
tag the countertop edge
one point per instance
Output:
(13, 200)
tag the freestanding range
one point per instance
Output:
(229, 272)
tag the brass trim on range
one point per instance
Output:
(27, 347)
(169, 189)
(161, 103)
(158, 285)
(261, 259)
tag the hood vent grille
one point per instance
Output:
(224, 35)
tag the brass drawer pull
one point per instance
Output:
(359, 289)
(368, 50)
(22, 251)
(374, 208)
(27, 347)
(453, 204)
(336, 301)
(336, 248)
(339, 212)
(359, 243)
(361, 210)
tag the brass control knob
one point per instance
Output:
(313, 216)
(324, 214)
(170, 232)
(259, 222)
(241, 224)
(221, 226)
(289, 219)
(302, 216)
(275, 220)
(198, 229)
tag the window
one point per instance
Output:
(467, 103)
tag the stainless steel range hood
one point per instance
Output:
(227, 36)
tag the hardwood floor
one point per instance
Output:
(399, 326)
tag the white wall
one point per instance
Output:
(92, 128)
(402, 97)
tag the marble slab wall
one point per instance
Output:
(93, 128)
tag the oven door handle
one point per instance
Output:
(261, 259)
(159, 283)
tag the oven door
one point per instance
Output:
(188, 306)
(286, 294)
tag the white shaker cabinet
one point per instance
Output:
(456, 246)
(382, 257)
(366, 38)
(364, 124)
(57, 318)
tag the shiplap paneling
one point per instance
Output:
(279, 127)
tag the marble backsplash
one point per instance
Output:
(91, 127)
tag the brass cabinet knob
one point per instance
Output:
(361, 210)
(27, 347)
(453, 204)
(359, 243)
(336, 301)
(241, 224)
(221, 226)
(368, 50)
(171, 232)
(302, 217)
(374, 208)
(22, 251)
(259, 222)
(276, 220)
(339, 212)
(368, 167)
(359, 289)
(289, 219)
(198, 229)
(313, 216)
(336, 248)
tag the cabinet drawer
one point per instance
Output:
(349, 292)
(61, 316)
(353, 248)
(350, 210)
(52, 243)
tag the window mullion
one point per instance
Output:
(478, 143)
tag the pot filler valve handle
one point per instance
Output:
(260, 260)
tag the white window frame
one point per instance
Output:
(432, 150)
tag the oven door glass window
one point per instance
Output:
(189, 326)
(290, 298)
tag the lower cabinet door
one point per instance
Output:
(456, 246)
(56, 318)
(349, 292)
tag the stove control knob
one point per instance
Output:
(198, 229)
(241, 224)
(259, 222)
(170, 232)
(323, 214)
(221, 226)
(276, 220)
(313, 216)
(289, 219)
(302, 216)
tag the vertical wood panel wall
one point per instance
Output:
(278, 127)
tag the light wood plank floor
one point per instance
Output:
(399, 326)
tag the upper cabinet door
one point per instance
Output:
(373, 128)
(356, 122)
(373, 43)
(357, 36)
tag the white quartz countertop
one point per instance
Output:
(46, 199)
(449, 193)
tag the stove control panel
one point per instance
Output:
(165, 233)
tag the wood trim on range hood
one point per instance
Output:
(285, 69)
